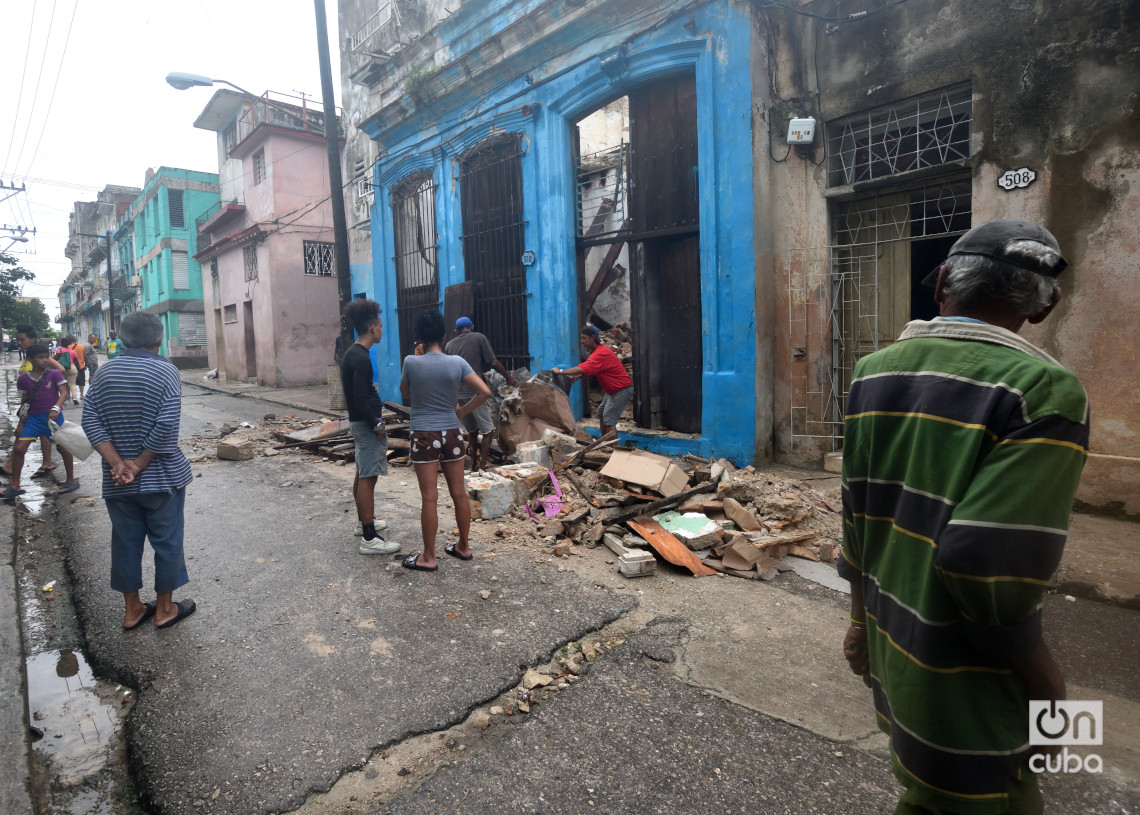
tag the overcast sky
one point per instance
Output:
(94, 107)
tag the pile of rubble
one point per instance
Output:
(705, 516)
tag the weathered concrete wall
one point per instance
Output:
(1055, 88)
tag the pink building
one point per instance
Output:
(270, 286)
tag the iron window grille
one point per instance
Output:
(319, 259)
(259, 166)
(601, 187)
(929, 130)
(250, 256)
(416, 242)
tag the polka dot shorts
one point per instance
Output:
(438, 445)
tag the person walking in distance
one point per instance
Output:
(367, 426)
(45, 392)
(67, 357)
(479, 424)
(430, 383)
(114, 344)
(603, 363)
(131, 418)
(963, 445)
(25, 337)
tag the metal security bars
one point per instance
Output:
(319, 258)
(924, 131)
(854, 297)
(601, 182)
(490, 183)
(417, 273)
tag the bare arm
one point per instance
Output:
(498, 366)
(482, 394)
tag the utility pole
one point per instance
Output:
(110, 287)
(336, 182)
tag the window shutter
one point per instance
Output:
(177, 213)
(180, 265)
(191, 329)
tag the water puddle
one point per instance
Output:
(78, 715)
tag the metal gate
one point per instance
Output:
(417, 272)
(490, 183)
(854, 297)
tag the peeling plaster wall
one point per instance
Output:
(534, 68)
(1056, 88)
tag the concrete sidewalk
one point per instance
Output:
(1100, 561)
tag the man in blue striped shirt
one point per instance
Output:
(131, 417)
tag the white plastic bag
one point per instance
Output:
(71, 437)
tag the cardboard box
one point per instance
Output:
(647, 470)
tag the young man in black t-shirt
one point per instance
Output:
(364, 417)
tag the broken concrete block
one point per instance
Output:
(561, 550)
(693, 529)
(495, 494)
(561, 446)
(534, 452)
(241, 450)
(637, 564)
(833, 462)
(524, 477)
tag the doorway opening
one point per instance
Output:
(638, 246)
(250, 343)
(417, 272)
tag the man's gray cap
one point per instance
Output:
(993, 239)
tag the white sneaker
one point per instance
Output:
(378, 546)
(379, 523)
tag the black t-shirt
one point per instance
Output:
(360, 393)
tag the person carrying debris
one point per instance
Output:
(476, 349)
(430, 383)
(131, 417)
(963, 446)
(366, 424)
(603, 364)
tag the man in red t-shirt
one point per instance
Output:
(603, 364)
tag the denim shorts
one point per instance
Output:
(371, 451)
(429, 446)
(613, 404)
(479, 419)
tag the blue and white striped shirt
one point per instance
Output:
(135, 402)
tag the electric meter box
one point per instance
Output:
(801, 131)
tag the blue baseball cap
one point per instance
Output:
(463, 322)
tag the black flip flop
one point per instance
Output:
(150, 608)
(450, 550)
(410, 563)
(44, 472)
(185, 609)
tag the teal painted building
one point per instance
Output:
(167, 279)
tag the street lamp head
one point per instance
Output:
(181, 80)
(19, 238)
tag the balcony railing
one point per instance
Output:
(270, 110)
(377, 21)
(218, 213)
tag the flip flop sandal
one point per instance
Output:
(410, 563)
(185, 609)
(67, 486)
(450, 550)
(11, 492)
(44, 472)
(147, 614)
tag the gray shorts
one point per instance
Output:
(613, 404)
(371, 452)
(479, 419)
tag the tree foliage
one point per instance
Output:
(13, 311)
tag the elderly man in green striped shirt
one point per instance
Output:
(963, 446)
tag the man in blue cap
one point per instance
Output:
(476, 349)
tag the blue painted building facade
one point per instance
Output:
(539, 89)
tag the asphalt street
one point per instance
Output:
(309, 668)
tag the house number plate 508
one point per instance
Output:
(1016, 179)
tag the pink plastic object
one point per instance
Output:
(552, 504)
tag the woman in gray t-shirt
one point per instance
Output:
(430, 383)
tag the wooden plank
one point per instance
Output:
(609, 437)
(396, 407)
(664, 503)
(669, 547)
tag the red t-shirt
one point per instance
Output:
(604, 364)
